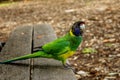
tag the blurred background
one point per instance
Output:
(98, 57)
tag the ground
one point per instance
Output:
(98, 57)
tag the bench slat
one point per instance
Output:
(48, 69)
(18, 44)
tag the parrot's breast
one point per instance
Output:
(68, 54)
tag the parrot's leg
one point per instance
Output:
(67, 65)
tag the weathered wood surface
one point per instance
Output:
(19, 43)
(48, 69)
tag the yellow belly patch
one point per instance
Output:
(68, 54)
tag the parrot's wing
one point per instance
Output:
(57, 47)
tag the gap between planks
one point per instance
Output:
(31, 60)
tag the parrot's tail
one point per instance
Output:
(28, 56)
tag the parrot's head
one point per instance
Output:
(78, 28)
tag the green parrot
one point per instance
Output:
(59, 49)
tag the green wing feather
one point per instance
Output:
(57, 47)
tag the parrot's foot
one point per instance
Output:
(68, 66)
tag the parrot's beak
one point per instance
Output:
(82, 26)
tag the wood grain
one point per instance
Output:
(18, 44)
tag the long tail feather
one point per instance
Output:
(28, 56)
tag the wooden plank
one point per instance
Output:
(48, 69)
(19, 44)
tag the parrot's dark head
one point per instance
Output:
(77, 28)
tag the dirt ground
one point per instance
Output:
(102, 34)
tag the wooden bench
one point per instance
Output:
(22, 41)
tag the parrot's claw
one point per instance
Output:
(68, 66)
